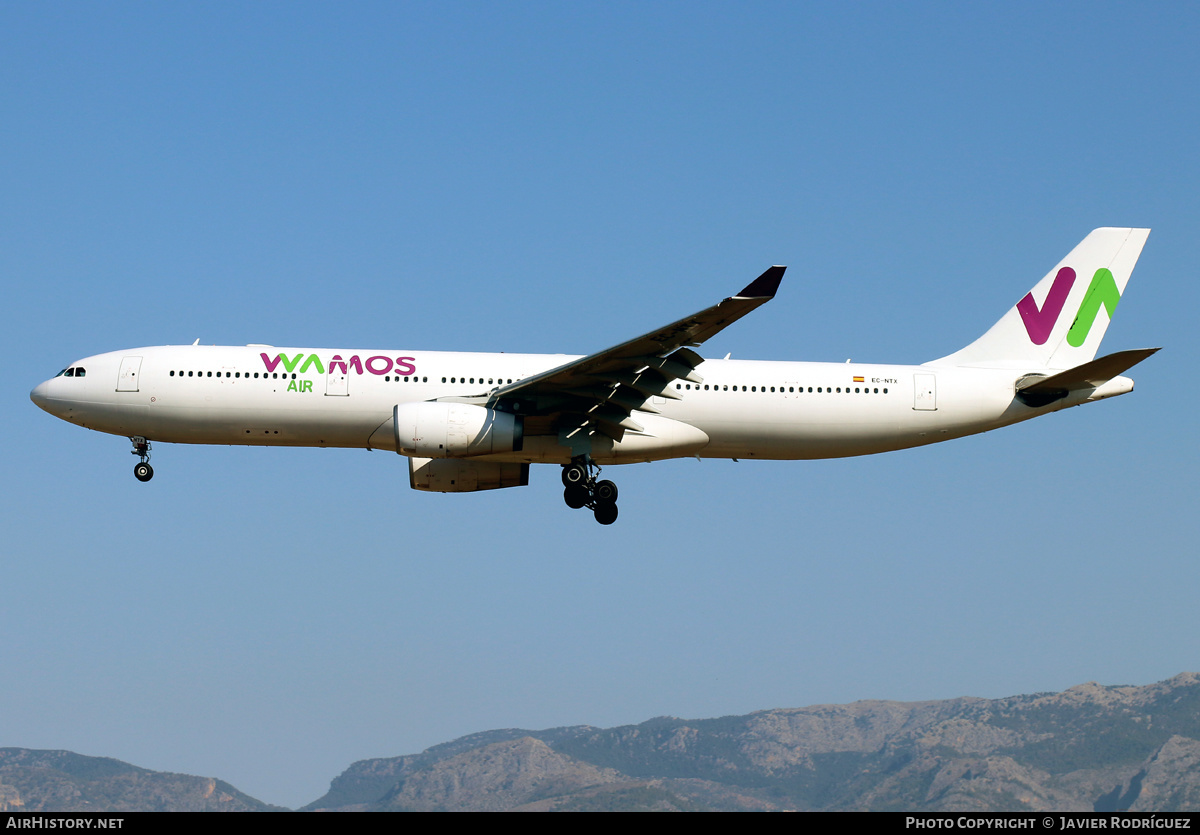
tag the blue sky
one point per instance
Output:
(557, 178)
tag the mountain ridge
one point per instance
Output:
(1091, 747)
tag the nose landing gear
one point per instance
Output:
(580, 489)
(142, 470)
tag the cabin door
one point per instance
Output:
(925, 392)
(337, 383)
(127, 379)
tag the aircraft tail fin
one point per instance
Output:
(1060, 322)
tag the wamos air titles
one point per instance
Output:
(471, 422)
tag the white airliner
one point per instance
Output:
(471, 422)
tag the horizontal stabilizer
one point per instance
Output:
(1040, 391)
(1090, 374)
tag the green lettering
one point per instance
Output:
(292, 386)
(1102, 291)
(290, 365)
(313, 359)
(306, 385)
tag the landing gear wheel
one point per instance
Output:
(582, 489)
(605, 514)
(605, 492)
(142, 471)
(576, 496)
(574, 474)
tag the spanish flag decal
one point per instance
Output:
(858, 379)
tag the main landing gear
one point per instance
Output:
(142, 470)
(582, 490)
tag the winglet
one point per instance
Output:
(764, 286)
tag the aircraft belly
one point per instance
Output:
(814, 427)
(196, 421)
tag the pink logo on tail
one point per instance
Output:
(1039, 323)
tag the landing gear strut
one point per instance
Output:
(142, 470)
(582, 490)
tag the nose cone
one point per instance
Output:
(41, 396)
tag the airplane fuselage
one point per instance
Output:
(260, 395)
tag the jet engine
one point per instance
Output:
(433, 429)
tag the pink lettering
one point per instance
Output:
(270, 363)
(1039, 323)
(405, 365)
(387, 365)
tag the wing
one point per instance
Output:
(601, 390)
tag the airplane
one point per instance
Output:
(476, 421)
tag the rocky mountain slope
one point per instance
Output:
(1090, 748)
(60, 781)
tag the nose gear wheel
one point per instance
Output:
(142, 470)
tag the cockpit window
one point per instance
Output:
(80, 372)
(70, 372)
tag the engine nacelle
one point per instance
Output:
(457, 475)
(432, 429)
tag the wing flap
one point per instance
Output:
(656, 345)
(601, 390)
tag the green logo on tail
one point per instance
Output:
(1102, 291)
